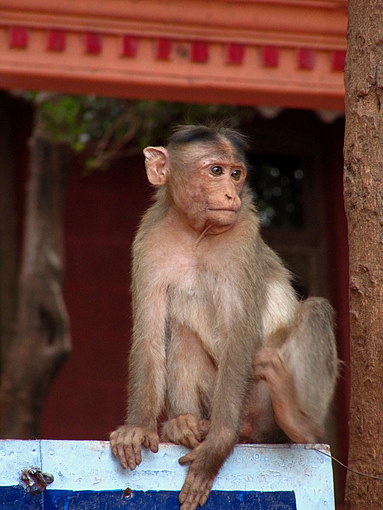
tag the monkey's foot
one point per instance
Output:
(270, 366)
(195, 491)
(186, 430)
(198, 483)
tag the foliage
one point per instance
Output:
(110, 128)
(106, 129)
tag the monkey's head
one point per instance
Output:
(204, 170)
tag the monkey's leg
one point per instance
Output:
(258, 423)
(301, 375)
(190, 380)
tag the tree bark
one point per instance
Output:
(42, 340)
(363, 189)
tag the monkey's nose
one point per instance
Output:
(227, 195)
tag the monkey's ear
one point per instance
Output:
(156, 164)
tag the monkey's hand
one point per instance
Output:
(296, 423)
(205, 462)
(126, 444)
(186, 430)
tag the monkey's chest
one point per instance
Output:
(204, 302)
(191, 295)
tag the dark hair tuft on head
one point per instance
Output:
(188, 134)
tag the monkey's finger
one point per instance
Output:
(190, 504)
(269, 358)
(206, 492)
(186, 495)
(184, 492)
(194, 430)
(151, 443)
(262, 369)
(189, 440)
(113, 443)
(132, 458)
(189, 457)
(136, 441)
(136, 457)
(121, 454)
(259, 374)
(195, 491)
(204, 426)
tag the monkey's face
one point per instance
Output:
(206, 186)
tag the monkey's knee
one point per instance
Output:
(318, 311)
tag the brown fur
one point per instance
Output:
(219, 340)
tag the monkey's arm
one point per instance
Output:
(146, 379)
(302, 373)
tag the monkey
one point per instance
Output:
(220, 341)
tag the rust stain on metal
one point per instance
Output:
(127, 493)
(35, 480)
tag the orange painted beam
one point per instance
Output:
(269, 52)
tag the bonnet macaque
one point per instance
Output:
(220, 341)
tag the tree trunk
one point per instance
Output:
(42, 339)
(363, 188)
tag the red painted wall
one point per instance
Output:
(87, 399)
(338, 278)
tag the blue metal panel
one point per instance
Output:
(16, 498)
(166, 500)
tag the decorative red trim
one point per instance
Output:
(322, 22)
(56, 40)
(164, 49)
(199, 51)
(270, 56)
(235, 53)
(18, 37)
(338, 60)
(306, 58)
(93, 43)
(263, 36)
(129, 46)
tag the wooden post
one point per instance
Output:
(363, 191)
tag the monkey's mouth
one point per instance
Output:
(226, 209)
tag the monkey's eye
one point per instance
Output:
(216, 170)
(236, 174)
